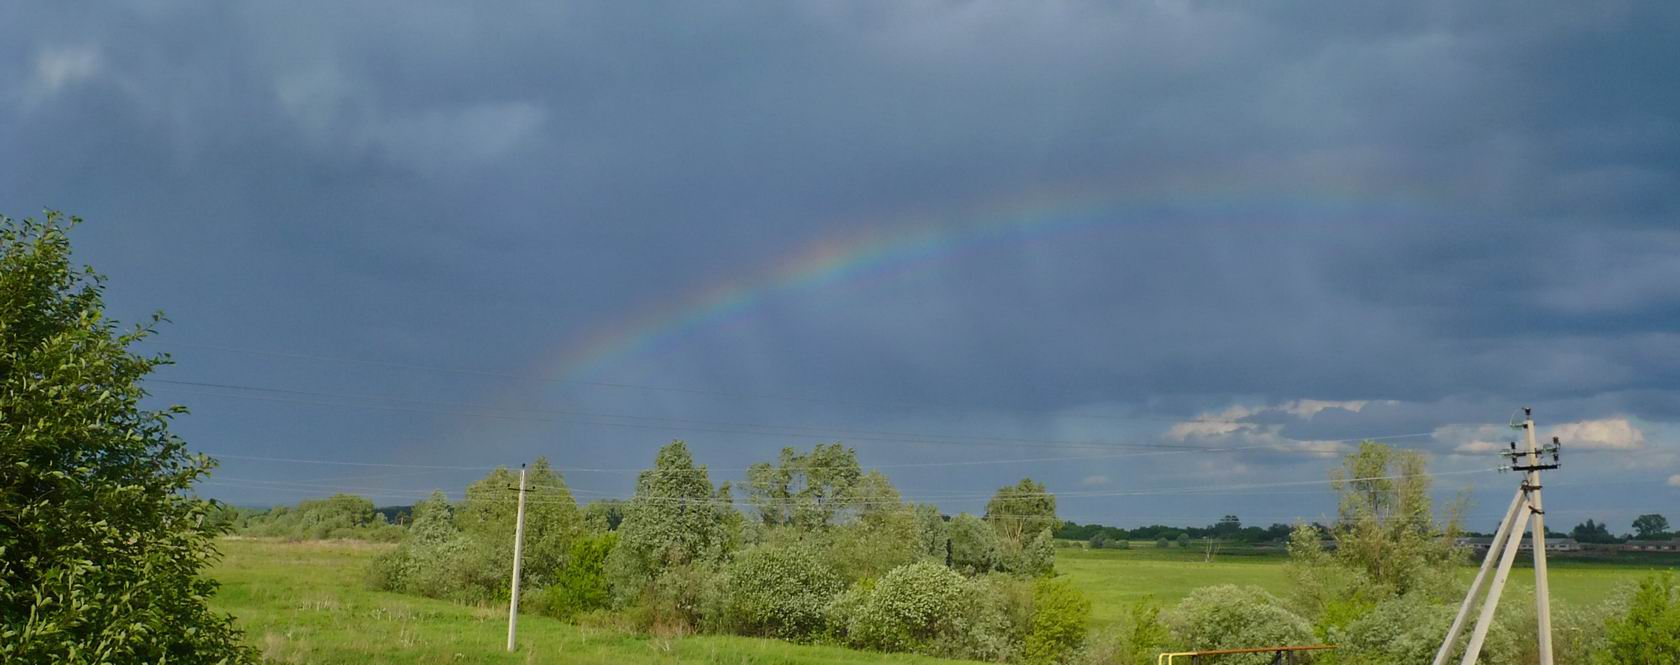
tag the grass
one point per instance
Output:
(1115, 579)
(306, 603)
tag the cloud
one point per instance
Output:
(1090, 481)
(1307, 408)
(59, 67)
(1674, 480)
(1601, 434)
(1474, 439)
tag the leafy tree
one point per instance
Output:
(1184, 540)
(1387, 527)
(1650, 527)
(1098, 541)
(1059, 621)
(879, 535)
(1650, 633)
(1020, 511)
(1592, 532)
(1227, 527)
(933, 534)
(806, 490)
(676, 518)
(489, 516)
(582, 585)
(101, 541)
(974, 545)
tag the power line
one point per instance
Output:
(677, 389)
(689, 424)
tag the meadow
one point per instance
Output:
(1114, 579)
(306, 602)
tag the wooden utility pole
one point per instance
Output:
(518, 551)
(1506, 541)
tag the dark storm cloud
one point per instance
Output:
(1442, 210)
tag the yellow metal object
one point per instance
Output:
(1167, 658)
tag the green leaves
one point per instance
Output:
(95, 488)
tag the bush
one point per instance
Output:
(1650, 631)
(774, 591)
(1232, 617)
(1059, 618)
(1163, 544)
(906, 610)
(581, 584)
(1134, 641)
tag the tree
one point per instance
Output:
(1650, 632)
(489, 516)
(1227, 527)
(974, 545)
(101, 541)
(1387, 527)
(1232, 617)
(675, 519)
(1650, 527)
(1020, 511)
(1592, 532)
(806, 490)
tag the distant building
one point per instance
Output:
(1652, 545)
(1526, 545)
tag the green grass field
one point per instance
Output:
(1114, 579)
(307, 603)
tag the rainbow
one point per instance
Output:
(874, 244)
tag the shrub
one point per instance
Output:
(581, 584)
(1098, 541)
(1650, 631)
(1162, 543)
(907, 609)
(1229, 617)
(1060, 615)
(774, 591)
(1134, 641)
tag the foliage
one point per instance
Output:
(1060, 615)
(1020, 511)
(675, 519)
(974, 546)
(778, 591)
(1650, 631)
(909, 608)
(1592, 532)
(340, 516)
(488, 518)
(1650, 526)
(435, 560)
(808, 490)
(1135, 641)
(1231, 617)
(933, 534)
(581, 585)
(1387, 528)
(101, 541)
(603, 514)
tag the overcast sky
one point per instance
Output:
(1140, 251)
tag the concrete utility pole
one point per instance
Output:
(518, 551)
(1506, 541)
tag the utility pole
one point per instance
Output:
(1506, 541)
(518, 551)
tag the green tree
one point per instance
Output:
(101, 541)
(806, 490)
(488, 516)
(675, 519)
(1060, 619)
(1233, 617)
(1387, 528)
(1650, 527)
(974, 545)
(1650, 632)
(1020, 511)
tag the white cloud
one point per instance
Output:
(1210, 424)
(1103, 480)
(1475, 439)
(1603, 434)
(1307, 408)
(1674, 480)
(60, 67)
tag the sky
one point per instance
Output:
(1173, 259)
